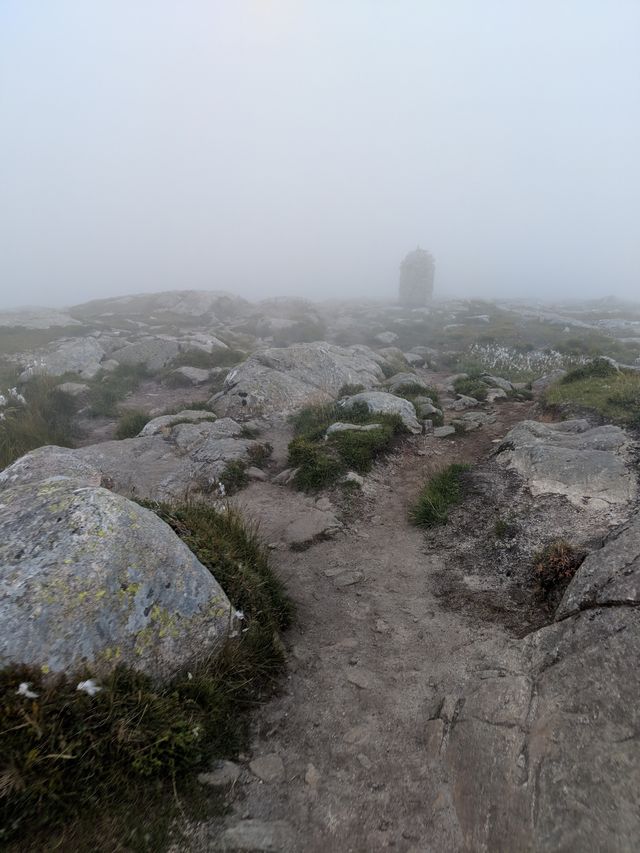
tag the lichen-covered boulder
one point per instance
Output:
(91, 579)
(380, 403)
(283, 380)
(152, 353)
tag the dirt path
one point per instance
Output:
(374, 657)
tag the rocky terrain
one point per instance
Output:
(448, 687)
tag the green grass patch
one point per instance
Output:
(442, 491)
(131, 422)
(67, 760)
(47, 417)
(234, 477)
(207, 360)
(615, 397)
(321, 462)
(109, 389)
(471, 387)
(599, 367)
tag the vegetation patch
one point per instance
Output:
(599, 367)
(108, 389)
(234, 477)
(68, 759)
(322, 461)
(471, 386)
(444, 490)
(614, 396)
(207, 360)
(19, 339)
(131, 422)
(41, 415)
(348, 390)
(553, 569)
(260, 453)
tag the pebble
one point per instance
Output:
(268, 768)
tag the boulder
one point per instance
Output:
(79, 355)
(572, 458)
(283, 380)
(543, 382)
(497, 382)
(194, 375)
(400, 381)
(379, 403)
(74, 389)
(164, 423)
(90, 579)
(152, 353)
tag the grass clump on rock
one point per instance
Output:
(471, 386)
(131, 422)
(442, 491)
(234, 477)
(69, 760)
(554, 567)
(612, 394)
(321, 462)
(41, 415)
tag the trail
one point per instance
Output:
(376, 666)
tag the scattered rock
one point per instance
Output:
(379, 402)
(354, 479)
(362, 678)
(194, 375)
(268, 768)
(444, 431)
(345, 427)
(223, 773)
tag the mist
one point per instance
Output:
(276, 147)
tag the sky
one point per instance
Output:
(273, 147)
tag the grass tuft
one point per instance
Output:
(442, 491)
(46, 417)
(234, 477)
(598, 367)
(471, 387)
(615, 396)
(131, 422)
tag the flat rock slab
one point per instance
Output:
(572, 458)
(379, 402)
(255, 836)
(268, 768)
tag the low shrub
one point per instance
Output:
(442, 491)
(41, 415)
(68, 759)
(599, 367)
(471, 387)
(131, 422)
(554, 567)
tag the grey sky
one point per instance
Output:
(274, 147)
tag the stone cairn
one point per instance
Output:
(416, 278)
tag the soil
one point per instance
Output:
(375, 653)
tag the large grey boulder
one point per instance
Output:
(152, 353)
(283, 380)
(79, 355)
(572, 458)
(90, 579)
(381, 403)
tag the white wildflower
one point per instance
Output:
(195, 731)
(89, 687)
(221, 490)
(239, 614)
(25, 690)
(190, 676)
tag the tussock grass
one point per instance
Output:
(234, 477)
(322, 462)
(472, 386)
(45, 418)
(349, 389)
(614, 396)
(442, 491)
(599, 367)
(67, 759)
(131, 422)
(554, 567)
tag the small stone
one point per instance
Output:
(361, 678)
(268, 768)
(224, 773)
(444, 431)
(354, 479)
(364, 761)
(381, 626)
(256, 474)
(312, 776)
(348, 579)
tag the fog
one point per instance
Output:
(280, 147)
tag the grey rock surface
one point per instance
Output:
(78, 355)
(152, 353)
(379, 403)
(164, 423)
(89, 578)
(572, 458)
(257, 836)
(282, 380)
(400, 381)
(345, 427)
(194, 375)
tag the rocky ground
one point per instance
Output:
(435, 700)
